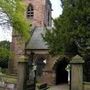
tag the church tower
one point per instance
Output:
(39, 12)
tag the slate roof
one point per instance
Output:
(36, 41)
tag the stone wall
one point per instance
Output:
(49, 75)
(17, 50)
(7, 86)
(86, 85)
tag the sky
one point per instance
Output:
(5, 34)
(56, 6)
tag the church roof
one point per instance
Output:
(36, 41)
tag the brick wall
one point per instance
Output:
(41, 10)
(17, 50)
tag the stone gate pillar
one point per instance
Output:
(22, 67)
(77, 73)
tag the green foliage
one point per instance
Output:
(15, 10)
(72, 25)
(5, 44)
(4, 53)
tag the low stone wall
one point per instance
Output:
(7, 86)
(7, 82)
(86, 85)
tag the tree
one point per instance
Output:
(15, 10)
(5, 44)
(71, 30)
(4, 53)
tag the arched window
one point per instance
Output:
(30, 11)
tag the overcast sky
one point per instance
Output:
(6, 34)
(57, 10)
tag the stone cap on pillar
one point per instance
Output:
(22, 59)
(77, 60)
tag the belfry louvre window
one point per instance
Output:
(30, 11)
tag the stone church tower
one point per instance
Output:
(38, 13)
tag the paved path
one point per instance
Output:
(60, 87)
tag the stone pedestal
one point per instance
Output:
(76, 73)
(22, 65)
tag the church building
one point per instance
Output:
(39, 12)
(49, 69)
